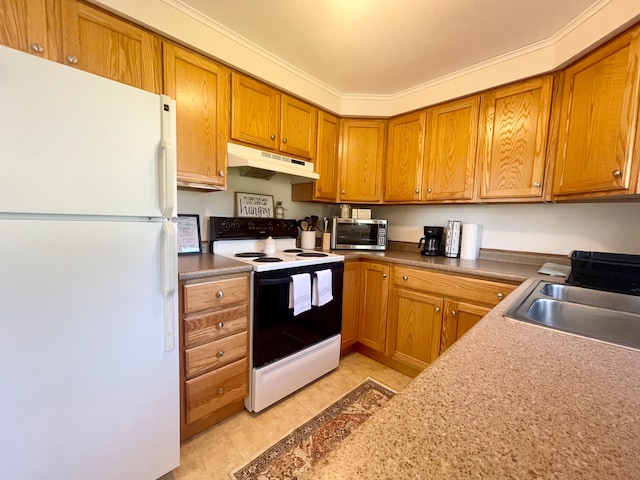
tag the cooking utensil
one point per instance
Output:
(304, 225)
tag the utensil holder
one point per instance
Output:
(308, 239)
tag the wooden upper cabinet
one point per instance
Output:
(361, 153)
(23, 26)
(255, 112)
(513, 140)
(298, 127)
(265, 118)
(405, 158)
(326, 187)
(201, 88)
(107, 46)
(599, 121)
(452, 134)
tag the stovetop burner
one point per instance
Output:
(312, 254)
(250, 254)
(293, 250)
(268, 259)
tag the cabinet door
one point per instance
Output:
(298, 128)
(405, 156)
(201, 89)
(350, 303)
(372, 327)
(452, 133)
(513, 140)
(255, 111)
(23, 26)
(361, 152)
(458, 319)
(104, 45)
(326, 188)
(414, 324)
(598, 122)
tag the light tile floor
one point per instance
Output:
(221, 449)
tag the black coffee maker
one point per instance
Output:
(432, 241)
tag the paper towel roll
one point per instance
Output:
(470, 241)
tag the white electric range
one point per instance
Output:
(287, 351)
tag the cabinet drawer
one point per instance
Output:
(213, 390)
(215, 354)
(485, 292)
(215, 294)
(213, 326)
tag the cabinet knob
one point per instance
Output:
(437, 309)
(273, 137)
(429, 190)
(220, 391)
(500, 295)
(417, 191)
(537, 184)
(405, 278)
(221, 173)
(384, 275)
(319, 189)
(617, 173)
(453, 313)
(220, 294)
(37, 47)
(72, 59)
(220, 354)
(343, 192)
(284, 140)
(220, 325)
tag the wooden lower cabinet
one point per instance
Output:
(214, 367)
(350, 305)
(413, 331)
(409, 316)
(458, 319)
(374, 293)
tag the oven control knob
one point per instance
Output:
(270, 226)
(251, 226)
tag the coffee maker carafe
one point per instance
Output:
(432, 241)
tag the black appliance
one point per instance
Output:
(613, 272)
(431, 243)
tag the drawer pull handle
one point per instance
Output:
(72, 59)
(384, 275)
(405, 278)
(617, 173)
(220, 354)
(37, 47)
(272, 137)
(220, 391)
(500, 296)
(220, 325)
(220, 294)
(453, 313)
(437, 309)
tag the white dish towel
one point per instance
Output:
(322, 288)
(300, 293)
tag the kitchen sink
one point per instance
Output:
(606, 316)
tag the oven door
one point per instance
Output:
(276, 332)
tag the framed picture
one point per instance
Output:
(189, 241)
(254, 205)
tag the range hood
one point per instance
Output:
(260, 164)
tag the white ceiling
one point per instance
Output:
(382, 47)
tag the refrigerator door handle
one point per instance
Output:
(168, 272)
(167, 174)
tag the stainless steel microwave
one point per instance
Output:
(359, 234)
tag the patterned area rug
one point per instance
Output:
(308, 444)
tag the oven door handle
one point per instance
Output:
(265, 282)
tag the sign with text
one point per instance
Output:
(254, 205)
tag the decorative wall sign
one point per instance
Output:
(254, 205)
(189, 241)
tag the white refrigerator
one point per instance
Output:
(88, 283)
